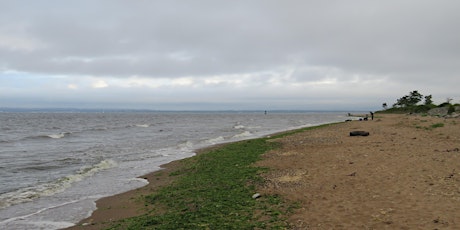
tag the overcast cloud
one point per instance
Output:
(210, 54)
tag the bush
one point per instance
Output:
(451, 109)
(422, 108)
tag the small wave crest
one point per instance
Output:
(243, 134)
(58, 135)
(52, 136)
(47, 189)
(185, 145)
(142, 125)
(214, 140)
(239, 127)
(46, 224)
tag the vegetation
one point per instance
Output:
(411, 104)
(412, 99)
(430, 127)
(437, 125)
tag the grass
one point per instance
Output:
(437, 125)
(431, 127)
(291, 132)
(214, 191)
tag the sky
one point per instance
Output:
(227, 55)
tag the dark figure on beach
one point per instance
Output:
(372, 115)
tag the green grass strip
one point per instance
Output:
(291, 132)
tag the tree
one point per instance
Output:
(428, 100)
(385, 106)
(412, 99)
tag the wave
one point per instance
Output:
(58, 135)
(49, 224)
(143, 125)
(185, 145)
(214, 140)
(52, 136)
(243, 134)
(239, 127)
(48, 189)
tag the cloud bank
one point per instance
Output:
(226, 54)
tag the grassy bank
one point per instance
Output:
(213, 190)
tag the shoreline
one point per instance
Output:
(403, 175)
(125, 205)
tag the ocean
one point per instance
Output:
(55, 165)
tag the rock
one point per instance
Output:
(442, 111)
(255, 196)
(359, 133)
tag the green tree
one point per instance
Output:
(412, 99)
(428, 100)
(385, 106)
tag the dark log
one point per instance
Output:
(359, 133)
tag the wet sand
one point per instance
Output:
(404, 175)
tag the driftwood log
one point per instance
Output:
(359, 133)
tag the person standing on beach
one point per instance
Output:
(372, 115)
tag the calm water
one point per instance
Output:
(53, 166)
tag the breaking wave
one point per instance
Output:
(243, 134)
(47, 189)
(52, 136)
(58, 135)
(214, 140)
(143, 125)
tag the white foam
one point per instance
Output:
(215, 140)
(143, 125)
(48, 189)
(57, 135)
(33, 220)
(187, 145)
(142, 180)
(243, 135)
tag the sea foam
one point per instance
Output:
(48, 189)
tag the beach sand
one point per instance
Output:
(404, 175)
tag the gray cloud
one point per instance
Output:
(402, 45)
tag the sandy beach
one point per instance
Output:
(404, 175)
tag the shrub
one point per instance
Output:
(437, 125)
(451, 109)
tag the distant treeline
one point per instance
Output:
(415, 102)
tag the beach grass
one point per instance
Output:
(292, 132)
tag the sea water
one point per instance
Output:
(55, 165)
